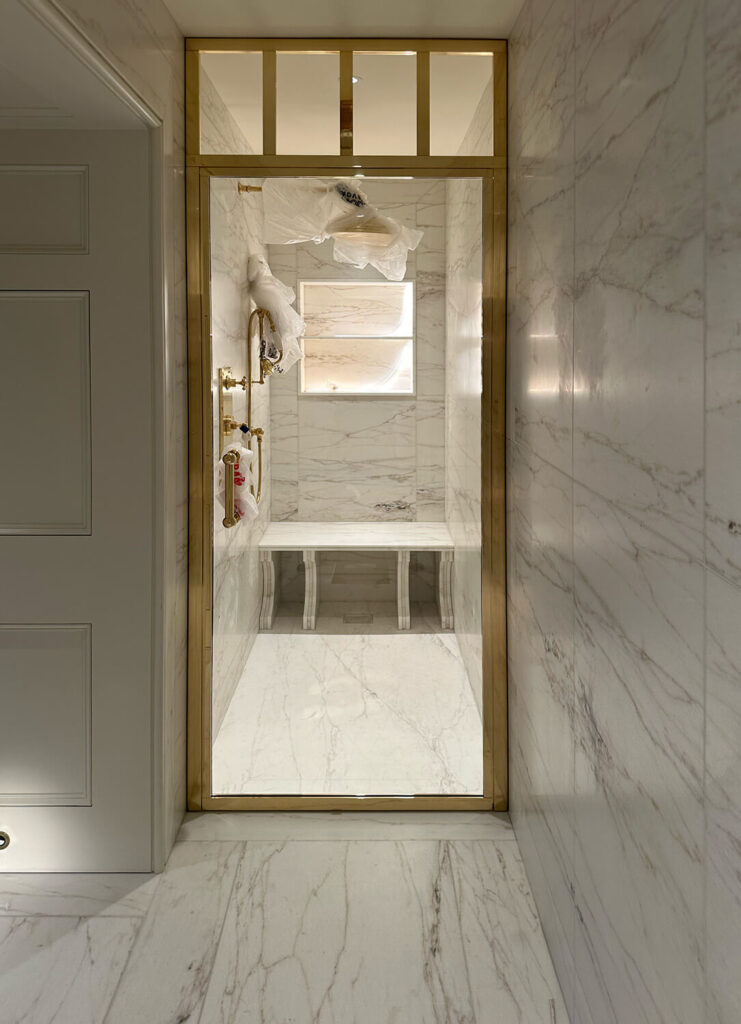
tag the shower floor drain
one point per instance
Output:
(352, 618)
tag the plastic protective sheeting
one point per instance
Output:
(269, 293)
(299, 211)
(244, 502)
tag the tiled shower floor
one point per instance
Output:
(288, 919)
(350, 713)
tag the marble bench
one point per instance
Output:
(403, 538)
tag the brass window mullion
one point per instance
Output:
(346, 102)
(423, 103)
(269, 105)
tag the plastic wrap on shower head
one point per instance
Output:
(271, 294)
(299, 211)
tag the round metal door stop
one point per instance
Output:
(4, 840)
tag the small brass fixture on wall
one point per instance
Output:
(227, 423)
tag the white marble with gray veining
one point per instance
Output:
(463, 384)
(353, 714)
(433, 939)
(235, 226)
(625, 784)
(360, 458)
(361, 917)
(723, 810)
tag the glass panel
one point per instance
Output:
(355, 366)
(231, 102)
(461, 105)
(358, 309)
(356, 462)
(308, 103)
(385, 103)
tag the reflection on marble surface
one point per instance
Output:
(541, 232)
(354, 714)
(304, 917)
(463, 415)
(617, 856)
(638, 313)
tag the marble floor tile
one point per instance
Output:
(61, 969)
(393, 932)
(170, 964)
(62, 895)
(353, 714)
(374, 826)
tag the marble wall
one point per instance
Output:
(624, 499)
(145, 46)
(236, 223)
(463, 382)
(355, 458)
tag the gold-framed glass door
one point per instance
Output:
(224, 183)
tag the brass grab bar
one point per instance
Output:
(258, 433)
(231, 516)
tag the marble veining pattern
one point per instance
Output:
(463, 385)
(237, 578)
(364, 918)
(623, 588)
(362, 458)
(323, 713)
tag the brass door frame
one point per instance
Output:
(491, 170)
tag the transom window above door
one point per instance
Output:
(285, 99)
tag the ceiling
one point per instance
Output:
(44, 85)
(477, 19)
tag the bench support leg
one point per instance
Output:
(445, 589)
(310, 590)
(402, 589)
(269, 589)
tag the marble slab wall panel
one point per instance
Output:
(237, 580)
(145, 46)
(541, 238)
(638, 314)
(632, 115)
(723, 298)
(463, 384)
(638, 865)
(723, 808)
(541, 657)
(368, 458)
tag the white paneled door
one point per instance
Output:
(76, 517)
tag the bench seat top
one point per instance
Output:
(295, 536)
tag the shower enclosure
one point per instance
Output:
(347, 602)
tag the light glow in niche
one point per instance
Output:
(359, 337)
